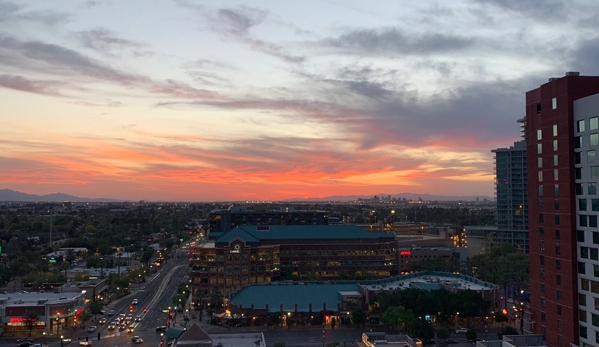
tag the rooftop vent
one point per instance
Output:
(552, 79)
(572, 73)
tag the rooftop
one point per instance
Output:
(34, 298)
(300, 232)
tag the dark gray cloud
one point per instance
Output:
(540, 10)
(104, 40)
(392, 41)
(25, 85)
(585, 57)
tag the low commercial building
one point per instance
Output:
(40, 312)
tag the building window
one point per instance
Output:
(595, 204)
(559, 309)
(593, 124)
(580, 125)
(580, 235)
(595, 319)
(582, 331)
(594, 253)
(556, 204)
(555, 145)
(582, 220)
(542, 245)
(577, 141)
(596, 238)
(539, 148)
(577, 158)
(554, 129)
(540, 162)
(582, 204)
(541, 218)
(542, 288)
(540, 174)
(556, 189)
(558, 279)
(592, 188)
(559, 294)
(582, 299)
(584, 252)
(596, 270)
(554, 106)
(542, 259)
(582, 316)
(543, 303)
(581, 268)
(556, 175)
(557, 219)
(540, 190)
(578, 188)
(541, 205)
(578, 173)
(594, 139)
(558, 249)
(584, 284)
(558, 264)
(591, 156)
(592, 221)
(555, 161)
(594, 172)
(539, 134)
(541, 232)
(596, 303)
(557, 234)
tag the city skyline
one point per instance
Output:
(264, 100)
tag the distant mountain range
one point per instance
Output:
(409, 196)
(12, 195)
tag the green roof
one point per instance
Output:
(252, 233)
(290, 294)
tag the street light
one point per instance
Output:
(44, 333)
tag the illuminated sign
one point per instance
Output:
(406, 253)
(234, 251)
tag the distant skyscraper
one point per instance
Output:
(562, 132)
(511, 187)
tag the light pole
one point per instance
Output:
(44, 333)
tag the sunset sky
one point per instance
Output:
(270, 100)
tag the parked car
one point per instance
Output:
(26, 344)
(25, 339)
(161, 329)
(136, 339)
(92, 328)
(461, 331)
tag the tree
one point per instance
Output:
(216, 298)
(85, 316)
(280, 344)
(358, 317)
(443, 333)
(471, 335)
(397, 316)
(421, 328)
(95, 307)
(507, 331)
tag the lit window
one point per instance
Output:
(539, 148)
(554, 104)
(540, 162)
(594, 139)
(594, 171)
(555, 145)
(555, 161)
(540, 174)
(556, 189)
(591, 156)
(539, 134)
(540, 190)
(580, 126)
(554, 129)
(593, 123)
(556, 174)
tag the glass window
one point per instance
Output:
(558, 249)
(556, 189)
(595, 172)
(582, 299)
(580, 235)
(543, 303)
(541, 231)
(596, 237)
(556, 175)
(540, 190)
(595, 319)
(582, 204)
(542, 244)
(582, 220)
(541, 205)
(559, 310)
(592, 188)
(595, 204)
(593, 124)
(584, 284)
(557, 234)
(556, 204)
(559, 294)
(582, 315)
(558, 264)
(555, 160)
(577, 158)
(554, 106)
(594, 253)
(542, 288)
(540, 162)
(591, 156)
(593, 221)
(542, 259)
(577, 141)
(584, 252)
(539, 134)
(580, 125)
(554, 129)
(578, 188)
(540, 174)
(557, 219)
(595, 270)
(594, 139)
(539, 148)
(582, 331)
(581, 268)
(578, 173)
(541, 218)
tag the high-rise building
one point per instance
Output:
(562, 134)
